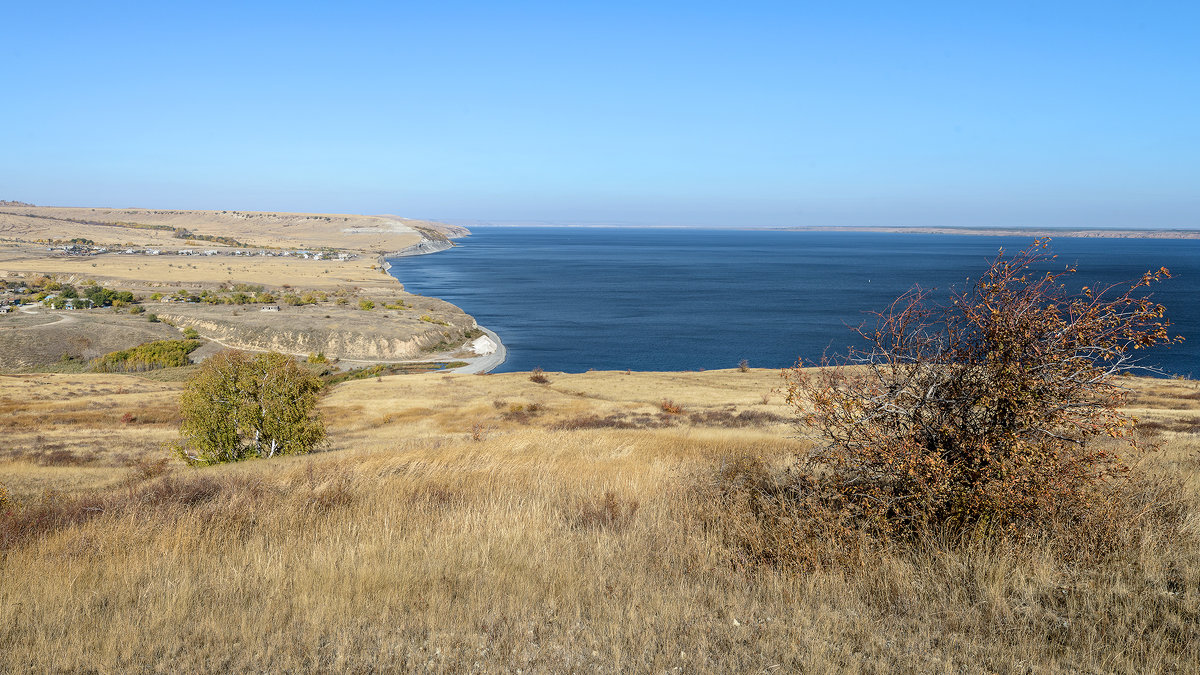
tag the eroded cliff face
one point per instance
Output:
(347, 335)
(426, 247)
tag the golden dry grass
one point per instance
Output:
(444, 532)
(20, 227)
(68, 433)
(172, 272)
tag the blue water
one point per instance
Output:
(570, 299)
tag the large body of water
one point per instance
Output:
(570, 299)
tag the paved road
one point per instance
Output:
(488, 362)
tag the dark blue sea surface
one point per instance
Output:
(570, 299)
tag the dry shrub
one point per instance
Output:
(744, 366)
(522, 412)
(982, 420)
(769, 518)
(147, 468)
(725, 418)
(538, 376)
(172, 493)
(436, 496)
(610, 512)
(1131, 511)
(61, 457)
(984, 412)
(479, 432)
(784, 519)
(616, 421)
(670, 407)
(51, 513)
(594, 422)
(230, 499)
(160, 415)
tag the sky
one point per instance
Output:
(1041, 114)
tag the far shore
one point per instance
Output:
(1067, 232)
(1094, 233)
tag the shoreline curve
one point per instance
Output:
(484, 363)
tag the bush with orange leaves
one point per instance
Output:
(983, 411)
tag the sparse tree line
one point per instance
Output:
(55, 294)
(92, 295)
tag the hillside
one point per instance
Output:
(490, 523)
(378, 234)
(213, 271)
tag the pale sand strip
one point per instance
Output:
(485, 363)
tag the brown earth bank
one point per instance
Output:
(579, 522)
(336, 331)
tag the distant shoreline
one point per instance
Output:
(1069, 232)
(1080, 233)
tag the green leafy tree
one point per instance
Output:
(239, 406)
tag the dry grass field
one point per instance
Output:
(22, 227)
(462, 523)
(168, 272)
(112, 226)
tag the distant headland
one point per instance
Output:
(77, 284)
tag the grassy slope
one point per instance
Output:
(449, 528)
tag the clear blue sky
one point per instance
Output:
(954, 113)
